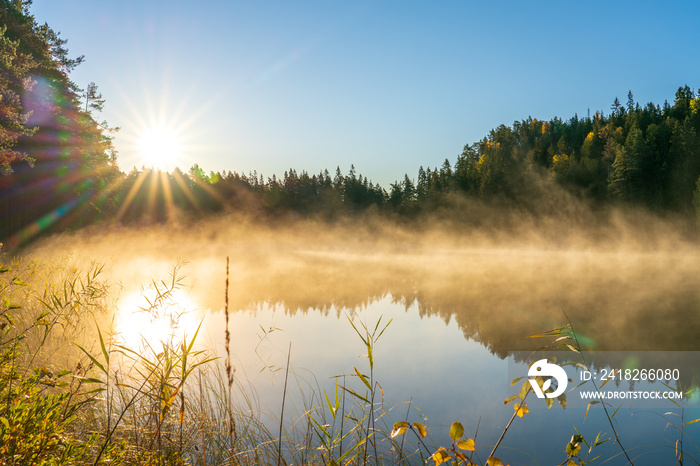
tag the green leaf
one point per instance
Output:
(319, 427)
(102, 344)
(356, 446)
(589, 407)
(5, 423)
(331, 408)
(194, 337)
(369, 356)
(572, 449)
(95, 361)
(466, 444)
(97, 390)
(357, 331)
(385, 327)
(363, 378)
(583, 439)
(524, 389)
(355, 394)
(615, 412)
(376, 326)
(456, 431)
(550, 333)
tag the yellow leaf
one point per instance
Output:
(521, 409)
(440, 457)
(493, 461)
(421, 429)
(399, 428)
(466, 444)
(456, 430)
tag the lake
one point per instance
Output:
(456, 313)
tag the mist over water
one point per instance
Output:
(628, 282)
(628, 285)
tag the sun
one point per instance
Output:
(160, 148)
(141, 323)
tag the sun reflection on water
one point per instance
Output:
(148, 318)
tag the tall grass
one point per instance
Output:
(47, 413)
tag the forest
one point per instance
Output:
(60, 169)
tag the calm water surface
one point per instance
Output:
(455, 316)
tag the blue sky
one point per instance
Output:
(385, 85)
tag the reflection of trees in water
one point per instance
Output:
(619, 302)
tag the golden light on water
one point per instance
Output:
(144, 320)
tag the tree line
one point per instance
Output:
(59, 167)
(639, 156)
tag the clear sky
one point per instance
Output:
(385, 85)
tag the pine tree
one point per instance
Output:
(93, 98)
(14, 80)
(630, 102)
(42, 122)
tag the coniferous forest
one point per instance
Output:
(59, 167)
